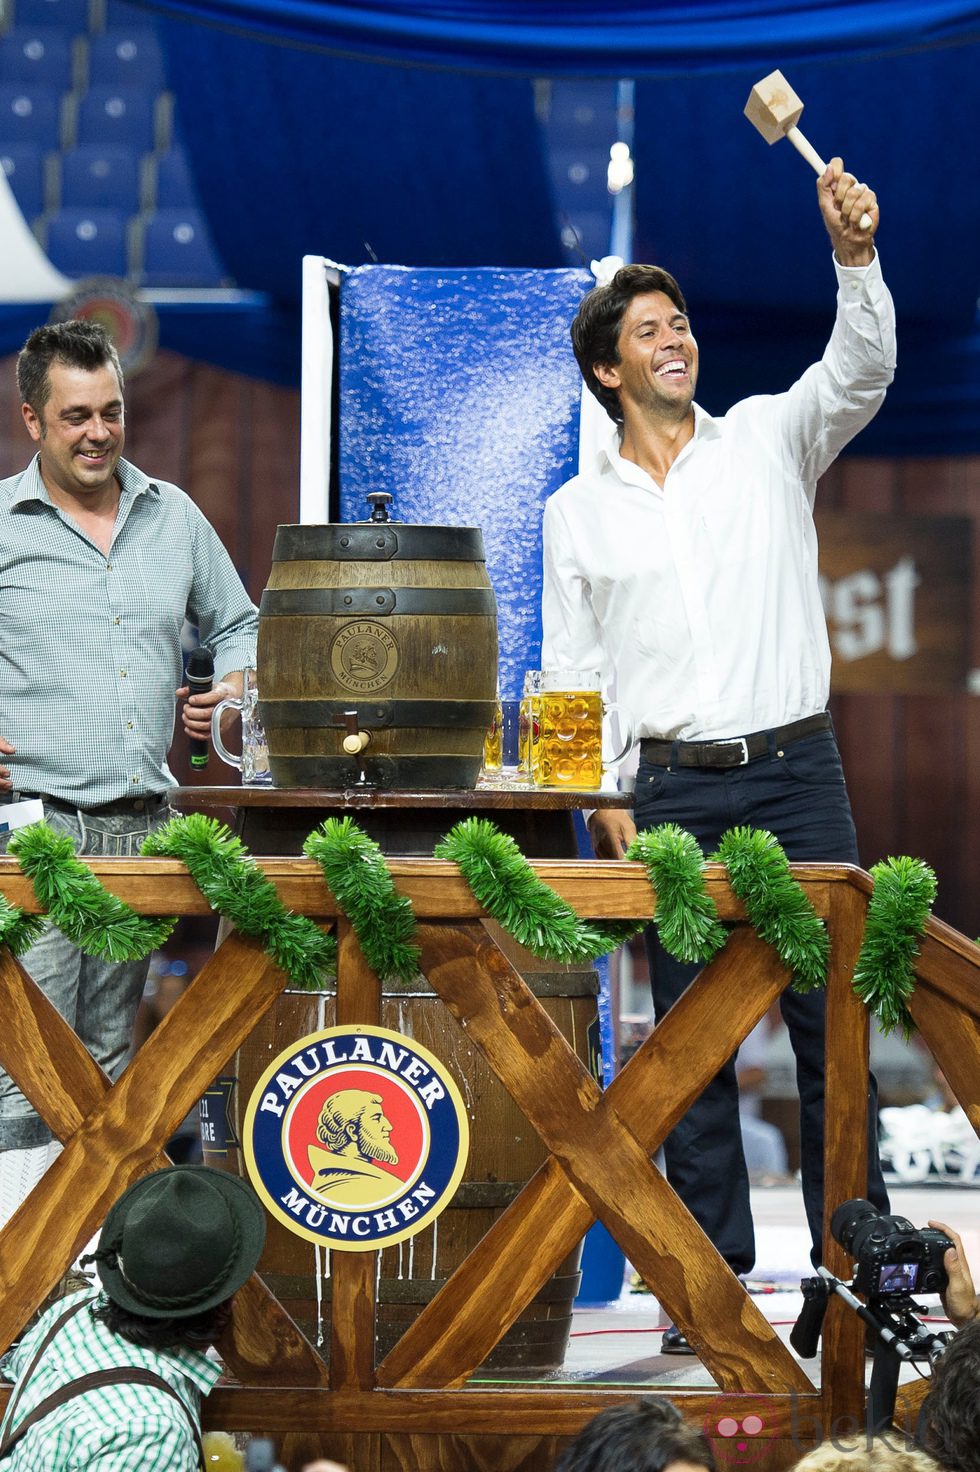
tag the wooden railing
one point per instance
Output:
(414, 1409)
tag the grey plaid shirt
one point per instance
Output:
(90, 651)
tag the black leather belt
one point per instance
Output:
(736, 751)
(122, 807)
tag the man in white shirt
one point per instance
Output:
(683, 564)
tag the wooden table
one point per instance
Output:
(276, 820)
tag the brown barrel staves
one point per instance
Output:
(393, 622)
(504, 1154)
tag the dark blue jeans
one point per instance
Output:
(800, 796)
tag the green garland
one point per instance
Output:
(80, 906)
(776, 906)
(686, 918)
(18, 930)
(357, 875)
(510, 891)
(884, 978)
(232, 883)
(504, 884)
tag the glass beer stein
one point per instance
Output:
(529, 729)
(254, 760)
(571, 713)
(493, 743)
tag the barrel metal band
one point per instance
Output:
(378, 542)
(376, 715)
(416, 773)
(376, 602)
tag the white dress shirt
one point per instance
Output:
(699, 600)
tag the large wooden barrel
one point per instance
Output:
(504, 1153)
(395, 623)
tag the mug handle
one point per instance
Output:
(627, 721)
(232, 702)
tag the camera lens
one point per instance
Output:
(847, 1221)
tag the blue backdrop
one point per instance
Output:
(460, 397)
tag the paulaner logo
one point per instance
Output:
(356, 1138)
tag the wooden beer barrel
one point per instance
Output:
(394, 623)
(504, 1153)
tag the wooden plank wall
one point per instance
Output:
(913, 762)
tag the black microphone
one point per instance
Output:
(199, 675)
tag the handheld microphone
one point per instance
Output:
(199, 675)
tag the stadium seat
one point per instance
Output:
(87, 242)
(173, 186)
(126, 57)
(122, 116)
(104, 177)
(71, 16)
(23, 164)
(177, 251)
(30, 115)
(36, 56)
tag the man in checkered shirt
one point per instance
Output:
(114, 1379)
(99, 568)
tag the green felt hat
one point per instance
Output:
(180, 1241)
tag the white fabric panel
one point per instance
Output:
(28, 275)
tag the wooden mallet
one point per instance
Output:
(774, 108)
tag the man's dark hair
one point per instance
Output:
(952, 1408)
(599, 321)
(196, 1331)
(76, 344)
(644, 1436)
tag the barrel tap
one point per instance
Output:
(355, 741)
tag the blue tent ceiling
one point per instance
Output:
(435, 156)
(591, 38)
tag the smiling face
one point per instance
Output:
(658, 360)
(80, 432)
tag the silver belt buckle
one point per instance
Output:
(738, 741)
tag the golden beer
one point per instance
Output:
(569, 745)
(493, 743)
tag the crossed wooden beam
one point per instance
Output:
(113, 1135)
(600, 1144)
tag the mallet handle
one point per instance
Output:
(804, 146)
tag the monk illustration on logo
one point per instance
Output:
(355, 1133)
(363, 657)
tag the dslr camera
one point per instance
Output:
(892, 1258)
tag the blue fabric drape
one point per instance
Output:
(572, 37)
(737, 222)
(460, 396)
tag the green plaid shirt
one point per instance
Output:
(117, 1428)
(90, 648)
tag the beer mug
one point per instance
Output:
(571, 713)
(254, 760)
(502, 747)
(493, 742)
(529, 732)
